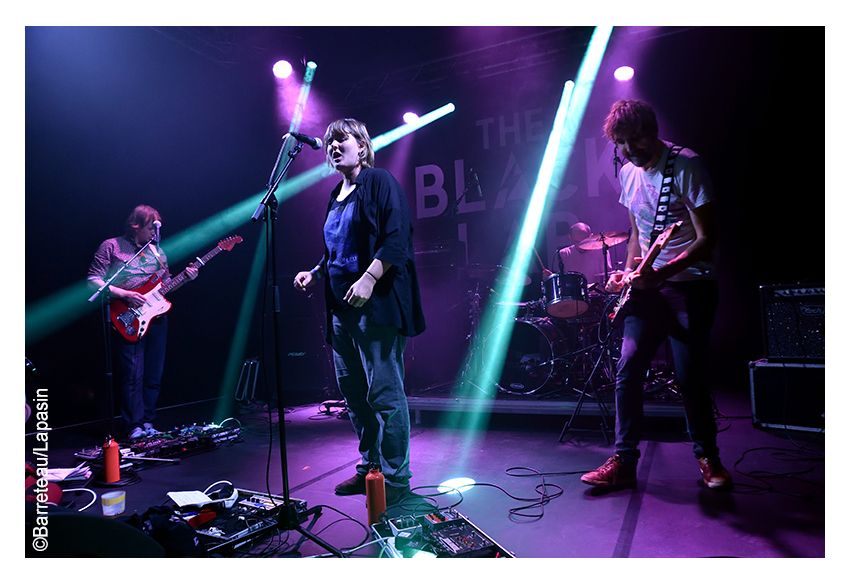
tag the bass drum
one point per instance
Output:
(534, 355)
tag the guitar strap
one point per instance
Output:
(662, 211)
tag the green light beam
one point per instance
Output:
(55, 312)
(500, 319)
(243, 327)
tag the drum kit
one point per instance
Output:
(558, 343)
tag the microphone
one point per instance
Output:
(314, 143)
(616, 162)
(477, 184)
(157, 225)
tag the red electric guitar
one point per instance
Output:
(132, 323)
(617, 316)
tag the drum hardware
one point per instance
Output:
(603, 241)
(604, 347)
(565, 294)
(491, 273)
(473, 357)
(535, 355)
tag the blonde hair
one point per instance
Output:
(343, 127)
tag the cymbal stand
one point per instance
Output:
(604, 346)
(473, 359)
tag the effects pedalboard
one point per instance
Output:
(444, 534)
(253, 515)
(171, 444)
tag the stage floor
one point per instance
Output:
(776, 510)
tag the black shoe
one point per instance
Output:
(356, 485)
(395, 494)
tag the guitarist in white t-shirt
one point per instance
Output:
(671, 295)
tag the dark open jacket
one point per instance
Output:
(383, 230)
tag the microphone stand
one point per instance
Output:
(288, 518)
(103, 293)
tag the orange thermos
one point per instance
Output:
(376, 495)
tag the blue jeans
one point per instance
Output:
(142, 363)
(684, 312)
(369, 363)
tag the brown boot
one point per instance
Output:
(613, 474)
(714, 475)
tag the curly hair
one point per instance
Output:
(629, 118)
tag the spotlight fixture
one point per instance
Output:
(410, 118)
(624, 73)
(282, 69)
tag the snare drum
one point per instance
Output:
(565, 294)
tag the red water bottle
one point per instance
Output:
(376, 495)
(111, 462)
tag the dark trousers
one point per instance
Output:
(369, 362)
(142, 363)
(684, 312)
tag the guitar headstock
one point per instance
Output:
(227, 244)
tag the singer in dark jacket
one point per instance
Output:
(372, 301)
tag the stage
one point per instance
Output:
(528, 498)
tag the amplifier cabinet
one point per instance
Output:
(793, 322)
(788, 395)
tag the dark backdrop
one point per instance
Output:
(189, 120)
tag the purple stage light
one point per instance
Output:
(282, 69)
(624, 73)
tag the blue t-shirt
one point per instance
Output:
(342, 265)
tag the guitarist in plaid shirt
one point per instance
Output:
(142, 361)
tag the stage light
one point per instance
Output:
(456, 485)
(410, 118)
(282, 69)
(624, 73)
(311, 65)
(47, 316)
(500, 319)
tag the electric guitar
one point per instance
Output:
(617, 316)
(132, 323)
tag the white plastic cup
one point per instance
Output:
(113, 503)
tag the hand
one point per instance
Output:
(617, 281)
(191, 272)
(360, 292)
(130, 298)
(546, 274)
(646, 279)
(304, 280)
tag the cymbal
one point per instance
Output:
(609, 238)
(490, 272)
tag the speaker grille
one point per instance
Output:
(794, 322)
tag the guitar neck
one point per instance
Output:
(658, 245)
(183, 277)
